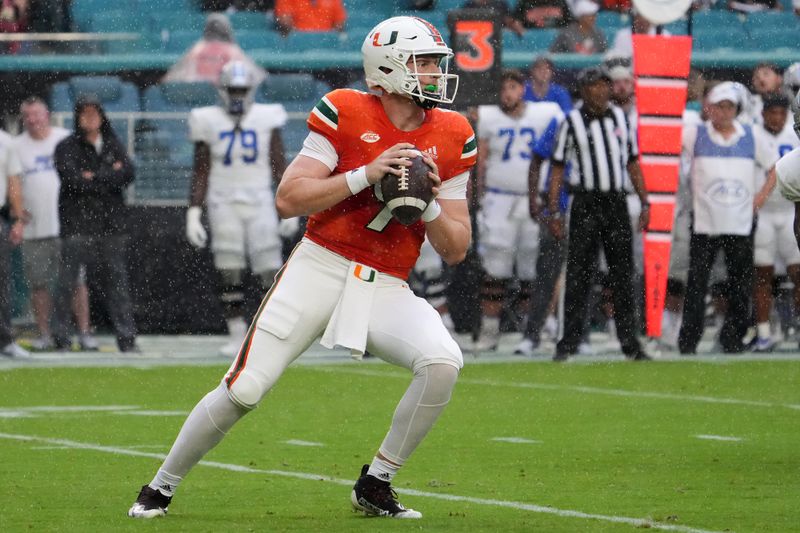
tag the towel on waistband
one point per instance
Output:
(349, 323)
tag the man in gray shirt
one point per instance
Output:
(581, 36)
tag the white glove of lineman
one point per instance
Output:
(287, 227)
(195, 232)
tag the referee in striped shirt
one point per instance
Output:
(596, 136)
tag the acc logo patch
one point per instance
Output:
(728, 192)
(370, 137)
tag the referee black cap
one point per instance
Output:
(591, 75)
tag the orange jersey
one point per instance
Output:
(358, 228)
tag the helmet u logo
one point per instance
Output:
(392, 39)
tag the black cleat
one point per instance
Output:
(377, 498)
(151, 503)
(638, 355)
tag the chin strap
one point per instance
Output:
(424, 103)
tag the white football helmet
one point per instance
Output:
(791, 83)
(237, 85)
(387, 50)
(796, 109)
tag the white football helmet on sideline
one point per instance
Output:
(390, 45)
(237, 83)
(796, 106)
(791, 82)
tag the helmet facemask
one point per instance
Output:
(237, 88)
(237, 100)
(429, 95)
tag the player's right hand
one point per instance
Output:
(396, 155)
(195, 232)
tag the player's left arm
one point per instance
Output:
(277, 155)
(769, 185)
(447, 222)
(765, 158)
(483, 155)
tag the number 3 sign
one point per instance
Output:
(476, 37)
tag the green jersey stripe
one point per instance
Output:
(327, 110)
(470, 146)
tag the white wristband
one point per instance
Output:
(357, 180)
(431, 212)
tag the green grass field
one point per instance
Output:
(593, 447)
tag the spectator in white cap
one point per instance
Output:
(581, 36)
(621, 74)
(725, 155)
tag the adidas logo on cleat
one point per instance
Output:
(375, 497)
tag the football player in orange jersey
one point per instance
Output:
(346, 280)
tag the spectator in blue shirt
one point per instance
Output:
(540, 87)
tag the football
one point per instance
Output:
(408, 195)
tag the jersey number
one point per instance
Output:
(249, 141)
(511, 133)
(477, 33)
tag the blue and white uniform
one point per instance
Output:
(241, 205)
(506, 228)
(774, 240)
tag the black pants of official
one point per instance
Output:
(703, 250)
(548, 268)
(595, 219)
(109, 253)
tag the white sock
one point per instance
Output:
(165, 483)
(383, 470)
(203, 429)
(237, 328)
(491, 325)
(764, 331)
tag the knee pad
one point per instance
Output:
(441, 379)
(494, 289)
(231, 293)
(248, 389)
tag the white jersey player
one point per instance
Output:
(238, 153)
(787, 172)
(509, 237)
(774, 238)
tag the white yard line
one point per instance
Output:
(719, 437)
(572, 388)
(567, 513)
(31, 411)
(151, 413)
(516, 440)
(296, 442)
